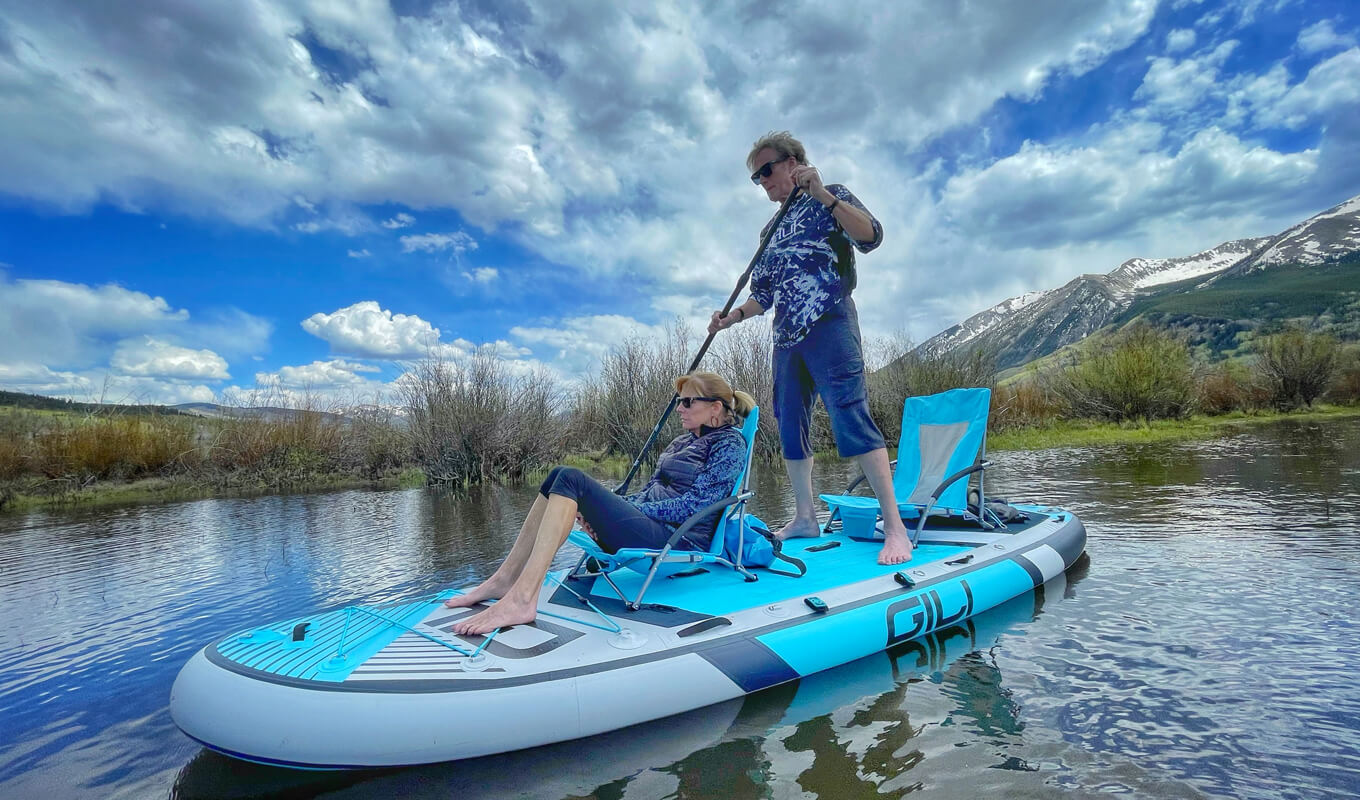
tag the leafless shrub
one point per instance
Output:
(1296, 366)
(1345, 386)
(618, 410)
(742, 354)
(1025, 403)
(899, 372)
(471, 420)
(1228, 386)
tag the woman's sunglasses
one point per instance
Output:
(689, 401)
(764, 172)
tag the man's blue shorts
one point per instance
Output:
(830, 362)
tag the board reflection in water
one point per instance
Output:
(743, 747)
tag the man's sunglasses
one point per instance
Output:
(764, 172)
(689, 401)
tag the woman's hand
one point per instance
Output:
(718, 322)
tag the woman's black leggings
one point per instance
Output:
(617, 523)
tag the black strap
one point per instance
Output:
(779, 554)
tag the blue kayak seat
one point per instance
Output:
(668, 560)
(944, 441)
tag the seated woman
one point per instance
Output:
(696, 469)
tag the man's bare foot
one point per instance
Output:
(504, 612)
(490, 589)
(896, 548)
(798, 528)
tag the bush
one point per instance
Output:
(1295, 366)
(743, 355)
(470, 420)
(907, 373)
(1025, 403)
(1143, 373)
(1345, 386)
(1228, 386)
(616, 412)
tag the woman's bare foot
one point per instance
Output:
(896, 548)
(799, 528)
(490, 589)
(505, 612)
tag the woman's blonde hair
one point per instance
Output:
(711, 384)
(782, 142)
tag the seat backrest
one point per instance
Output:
(748, 430)
(941, 434)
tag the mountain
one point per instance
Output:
(1304, 272)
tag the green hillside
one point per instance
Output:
(38, 402)
(1220, 319)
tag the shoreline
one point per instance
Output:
(1054, 435)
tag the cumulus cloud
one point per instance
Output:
(578, 344)
(367, 330)
(71, 324)
(611, 142)
(331, 374)
(434, 242)
(150, 357)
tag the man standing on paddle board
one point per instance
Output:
(806, 275)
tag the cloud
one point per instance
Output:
(482, 275)
(335, 373)
(358, 253)
(1330, 86)
(369, 331)
(400, 221)
(150, 357)
(434, 242)
(1180, 85)
(1321, 36)
(73, 325)
(578, 344)
(38, 379)
(1180, 39)
(1046, 196)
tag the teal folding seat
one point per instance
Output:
(667, 560)
(944, 440)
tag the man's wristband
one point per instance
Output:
(834, 203)
(743, 312)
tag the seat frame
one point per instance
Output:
(732, 510)
(923, 510)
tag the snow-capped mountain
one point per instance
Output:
(1331, 235)
(1144, 273)
(1035, 324)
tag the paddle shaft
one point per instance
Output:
(731, 300)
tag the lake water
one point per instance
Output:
(1207, 648)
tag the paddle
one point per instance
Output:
(741, 284)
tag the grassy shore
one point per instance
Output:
(19, 496)
(1080, 433)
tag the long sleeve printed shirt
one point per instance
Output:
(797, 275)
(692, 473)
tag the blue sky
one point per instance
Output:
(197, 200)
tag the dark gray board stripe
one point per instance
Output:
(1035, 574)
(750, 664)
(1064, 541)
